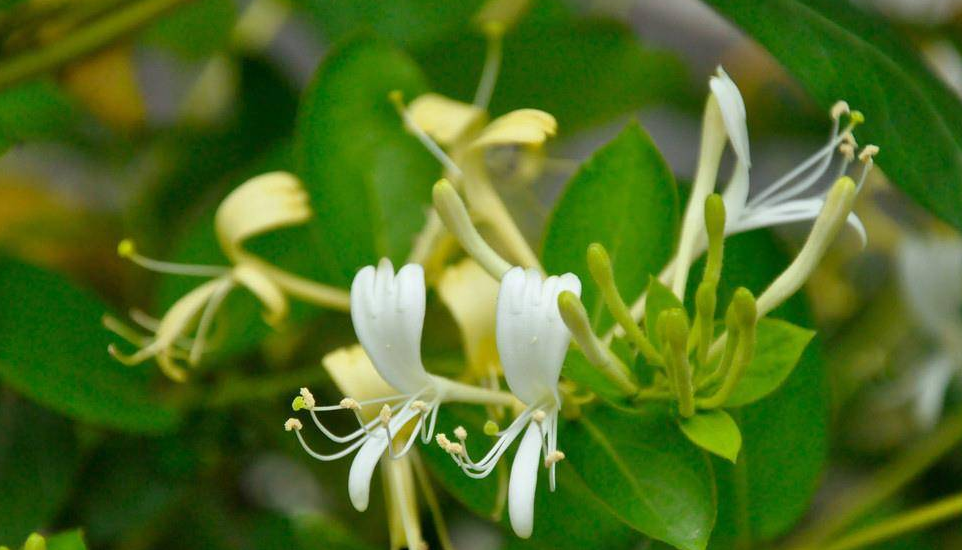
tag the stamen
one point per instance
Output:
(385, 415)
(538, 416)
(553, 458)
(308, 398)
(206, 318)
(839, 109)
(128, 250)
(460, 433)
(397, 98)
(494, 32)
(327, 458)
(491, 428)
(348, 403)
(867, 156)
(293, 424)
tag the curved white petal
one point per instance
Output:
(733, 113)
(524, 481)
(931, 275)
(362, 469)
(933, 380)
(532, 339)
(388, 315)
(735, 197)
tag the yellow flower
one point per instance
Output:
(264, 203)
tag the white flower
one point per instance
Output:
(788, 199)
(388, 315)
(532, 342)
(930, 273)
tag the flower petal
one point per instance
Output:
(446, 120)
(362, 469)
(532, 339)
(260, 204)
(930, 271)
(733, 113)
(388, 315)
(521, 127)
(932, 382)
(471, 295)
(735, 197)
(524, 481)
(266, 290)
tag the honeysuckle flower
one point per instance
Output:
(930, 274)
(264, 203)
(388, 314)
(532, 341)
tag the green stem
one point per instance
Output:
(901, 524)
(83, 41)
(855, 503)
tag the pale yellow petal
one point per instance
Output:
(471, 295)
(356, 377)
(448, 121)
(261, 204)
(266, 290)
(529, 127)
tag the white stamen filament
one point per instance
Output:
(432, 146)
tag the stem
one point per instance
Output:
(492, 64)
(84, 41)
(440, 526)
(883, 484)
(901, 524)
(304, 289)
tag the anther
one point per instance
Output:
(443, 441)
(857, 117)
(293, 424)
(348, 403)
(308, 398)
(460, 433)
(385, 415)
(455, 449)
(539, 416)
(847, 150)
(868, 152)
(840, 109)
(419, 406)
(491, 428)
(553, 458)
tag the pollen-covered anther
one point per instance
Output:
(553, 458)
(847, 150)
(455, 449)
(385, 415)
(308, 398)
(840, 109)
(539, 416)
(443, 441)
(293, 424)
(868, 152)
(420, 406)
(460, 433)
(348, 403)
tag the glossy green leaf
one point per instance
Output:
(659, 298)
(646, 472)
(54, 350)
(369, 181)
(784, 436)
(837, 51)
(582, 71)
(38, 459)
(623, 197)
(778, 347)
(714, 431)
(71, 540)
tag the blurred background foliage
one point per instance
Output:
(141, 135)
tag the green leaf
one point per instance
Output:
(660, 298)
(577, 369)
(71, 540)
(840, 52)
(646, 472)
(784, 437)
(778, 348)
(582, 71)
(34, 110)
(369, 181)
(714, 431)
(54, 350)
(623, 197)
(38, 459)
